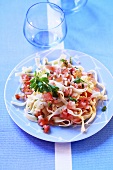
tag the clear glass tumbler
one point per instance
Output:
(45, 25)
(70, 6)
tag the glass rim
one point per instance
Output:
(72, 10)
(45, 3)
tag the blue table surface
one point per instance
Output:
(89, 31)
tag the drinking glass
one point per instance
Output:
(45, 25)
(70, 6)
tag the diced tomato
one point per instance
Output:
(51, 68)
(75, 85)
(47, 96)
(65, 70)
(42, 121)
(97, 89)
(83, 102)
(50, 77)
(58, 70)
(27, 83)
(58, 79)
(76, 120)
(17, 96)
(72, 70)
(55, 101)
(70, 117)
(25, 77)
(71, 105)
(51, 122)
(26, 89)
(88, 94)
(67, 92)
(64, 114)
(46, 128)
(38, 113)
(20, 97)
(28, 93)
(69, 77)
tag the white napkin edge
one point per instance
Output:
(63, 156)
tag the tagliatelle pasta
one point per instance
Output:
(59, 93)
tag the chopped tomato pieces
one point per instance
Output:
(97, 89)
(83, 102)
(25, 77)
(76, 120)
(38, 113)
(65, 70)
(43, 121)
(47, 96)
(46, 128)
(59, 79)
(71, 105)
(17, 96)
(64, 114)
(51, 68)
(66, 92)
(88, 94)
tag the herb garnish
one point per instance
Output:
(78, 80)
(42, 85)
(104, 109)
(73, 99)
(65, 62)
(47, 74)
(70, 60)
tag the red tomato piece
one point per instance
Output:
(64, 114)
(43, 121)
(38, 113)
(17, 96)
(76, 120)
(46, 128)
(26, 89)
(88, 94)
(71, 105)
(70, 117)
(65, 70)
(97, 89)
(47, 96)
(59, 79)
(25, 77)
(20, 97)
(72, 70)
(83, 102)
(51, 68)
(27, 83)
(58, 71)
(66, 92)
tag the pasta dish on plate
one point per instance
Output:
(59, 93)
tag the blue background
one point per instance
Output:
(89, 31)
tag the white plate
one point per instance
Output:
(60, 134)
